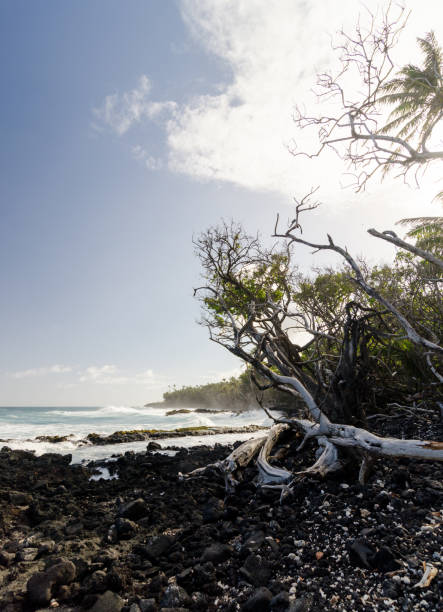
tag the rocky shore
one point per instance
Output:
(147, 540)
(139, 435)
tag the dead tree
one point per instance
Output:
(355, 124)
(249, 310)
(249, 294)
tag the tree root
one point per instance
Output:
(268, 474)
(239, 458)
(330, 438)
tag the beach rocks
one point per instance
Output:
(217, 553)
(362, 554)
(134, 510)
(108, 602)
(174, 597)
(256, 570)
(125, 528)
(186, 545)
(147, 605)
(19, 498)
(259, 601)
(6, 558)
(153, 446)
(158, 547)
(41, 584)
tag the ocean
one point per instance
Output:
(19, 427)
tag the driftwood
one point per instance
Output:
(238, 459)
(268, 474)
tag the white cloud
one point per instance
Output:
(111, 375)
(240, 134)
(120, 112)
(45, 371)
(142, 156)
(273, 50)
(217, 375)
(95, 373)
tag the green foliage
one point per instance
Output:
(232, 393)
(417, 93)
(235, 393)
(395, 367)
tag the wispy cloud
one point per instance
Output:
(217, 375)
(241, 134)
(111, 375)
(142, 156)
(120, 112)
(44, 371)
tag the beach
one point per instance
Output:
(148, 538)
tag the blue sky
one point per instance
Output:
(127, 128)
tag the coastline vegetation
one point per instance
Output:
(235, 393)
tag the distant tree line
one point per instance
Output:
(235, 393)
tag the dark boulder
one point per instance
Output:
(158, 547)
(126, 529)
(174, 597)
(108, 602)
(134, 510)
(256, 570)
(361, 553)
(259, 601)
(39, 587)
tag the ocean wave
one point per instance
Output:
(104, 411)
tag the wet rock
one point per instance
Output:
(174, 597)
(134, 510)
(259, 601)
(107, 557)
(108, 602)
(217, 553)
(203, 575)
(153, 446)
(390, 589)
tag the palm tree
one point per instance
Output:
(417, 93)
(427, 232)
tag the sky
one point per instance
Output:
(127, 129)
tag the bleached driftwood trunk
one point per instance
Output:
(238, 459)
